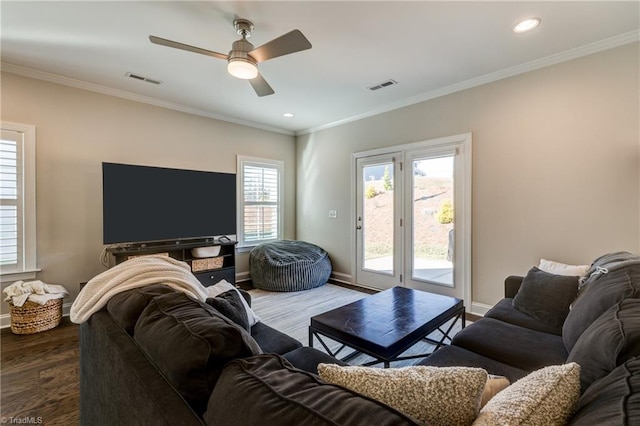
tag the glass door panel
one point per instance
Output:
(378, 240)
(378, 218)
(433, 220)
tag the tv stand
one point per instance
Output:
(200, 242)
(208, 270)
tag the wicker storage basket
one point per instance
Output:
(32, 318)
(207, 264)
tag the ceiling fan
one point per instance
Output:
(243, 59)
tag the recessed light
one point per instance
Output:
(527, 25)
(288, 114)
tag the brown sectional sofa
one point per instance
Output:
(153, 356)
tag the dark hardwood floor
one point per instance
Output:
(39, 376)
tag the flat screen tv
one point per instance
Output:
(149, 204)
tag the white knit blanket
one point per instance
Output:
(135, 273)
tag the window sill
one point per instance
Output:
(16, 276)
(247, 248)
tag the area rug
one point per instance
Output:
(290, 312)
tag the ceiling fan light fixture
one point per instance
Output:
(243, 58)
(242, 68)
(527, 25)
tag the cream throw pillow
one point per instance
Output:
(431, 395)
(562, 269)
(545, 397)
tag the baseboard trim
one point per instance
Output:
(479, 309)
(340, 278)
(5, 319)
(243, 276)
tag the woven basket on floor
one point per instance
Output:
(32, 318)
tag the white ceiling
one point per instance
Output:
(429, 48)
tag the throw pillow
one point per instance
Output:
(431, 395)
(612, 400)
(546, 297)
(267, 390)
(544, 397)
(612, 339)
(125, 308)
(558, 268)
(597, 297)
(190, 342)
(223, 286)
(494, 385)
(230, 305)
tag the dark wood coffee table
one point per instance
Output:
(386, 324)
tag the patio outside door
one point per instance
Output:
(378, 216)
(412, 223)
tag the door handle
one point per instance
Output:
(358, 227)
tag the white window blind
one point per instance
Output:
(260, 195)
(17, 201)
(11, 207)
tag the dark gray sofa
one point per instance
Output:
(122, 381)
(601, 332)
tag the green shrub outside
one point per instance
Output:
(445, 212)
(386, 179)
(370, 192)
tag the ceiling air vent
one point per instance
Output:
(142, 78)
(383, 84)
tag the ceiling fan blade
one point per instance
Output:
(261, 86)
(188, 48)
(291, 42)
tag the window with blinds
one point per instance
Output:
(17, 200)
(11, 207)
(260, 197)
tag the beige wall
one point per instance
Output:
(77, 130)
(556, 166)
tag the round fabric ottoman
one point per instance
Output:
(288, 265)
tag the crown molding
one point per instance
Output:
(92, 87)
(567, 55)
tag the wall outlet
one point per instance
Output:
(333, 214)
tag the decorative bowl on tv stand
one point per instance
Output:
(210, 251)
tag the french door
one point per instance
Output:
(378, 212)
(412, 218)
